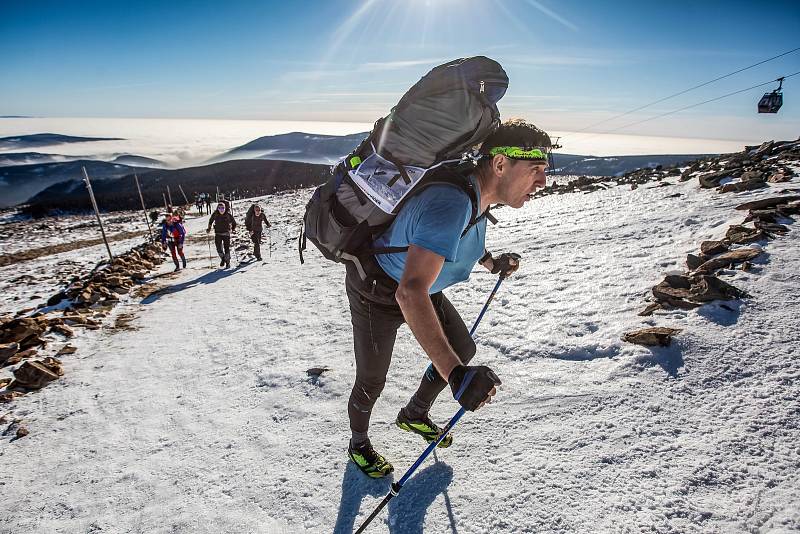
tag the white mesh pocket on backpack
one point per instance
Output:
(383, 183)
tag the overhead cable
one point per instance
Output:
(686, 91)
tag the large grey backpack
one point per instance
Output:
(421, 142)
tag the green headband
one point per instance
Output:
(515, 152)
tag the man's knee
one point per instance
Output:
(367, 391)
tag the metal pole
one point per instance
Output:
(185, 200)
(166, 206)
(397, 486)
(169, 196)
(144, 210)
(96, 211)
(217, 193)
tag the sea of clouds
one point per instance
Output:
(187, 142)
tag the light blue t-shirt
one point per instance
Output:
(434, 219)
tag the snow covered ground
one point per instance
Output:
(201, 417)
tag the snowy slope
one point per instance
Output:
(202, 419)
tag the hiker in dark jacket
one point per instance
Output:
(224, 224)
(172, 236)
(253, 221)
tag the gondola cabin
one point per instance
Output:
(771, 102)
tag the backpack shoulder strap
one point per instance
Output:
(445, 174)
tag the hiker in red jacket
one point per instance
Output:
(172, 235)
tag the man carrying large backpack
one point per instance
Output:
(444, 242)
(406, 213)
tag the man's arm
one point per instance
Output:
(421, 270)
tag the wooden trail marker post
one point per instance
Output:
(185, 200)
(96, 212)
(144, 210)
(169, 196)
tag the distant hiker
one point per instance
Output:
(198, 203)
(154, 216)
(442, 229)
(208, 203)
(253, 222)
(224, 224)
(172, 236)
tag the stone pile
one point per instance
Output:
(700, 284)
(753, 168)
(83, 304)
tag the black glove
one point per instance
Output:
(471, 384)
(502, 263)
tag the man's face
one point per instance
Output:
(520, 179)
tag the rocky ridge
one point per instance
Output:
(753, 168)
(84, 303)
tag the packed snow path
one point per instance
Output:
(202, 418)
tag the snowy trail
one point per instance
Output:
(202, 418)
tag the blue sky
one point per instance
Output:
(571, 64)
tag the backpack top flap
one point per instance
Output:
(449, 110)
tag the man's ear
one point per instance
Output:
(499, 163)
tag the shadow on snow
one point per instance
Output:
(208, 278)
(406, 512)
(670, 359)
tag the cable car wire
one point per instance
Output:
(684, 91)
(691, 106)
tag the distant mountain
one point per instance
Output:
(19, 182)
(569, 164)
(15, 117)
(44, 139)
(246, 177)
(131, 159)
(29, 158)
(297, 146)
(327, 149)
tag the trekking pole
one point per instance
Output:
(233, 247)
(270, 242)
(208, 241)
(397, 486)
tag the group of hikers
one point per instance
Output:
(173, 232)
(202, 202)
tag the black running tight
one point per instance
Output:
(374, 332)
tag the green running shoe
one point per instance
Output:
(369, 461)
(424, 427)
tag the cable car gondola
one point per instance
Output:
(772, 102)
